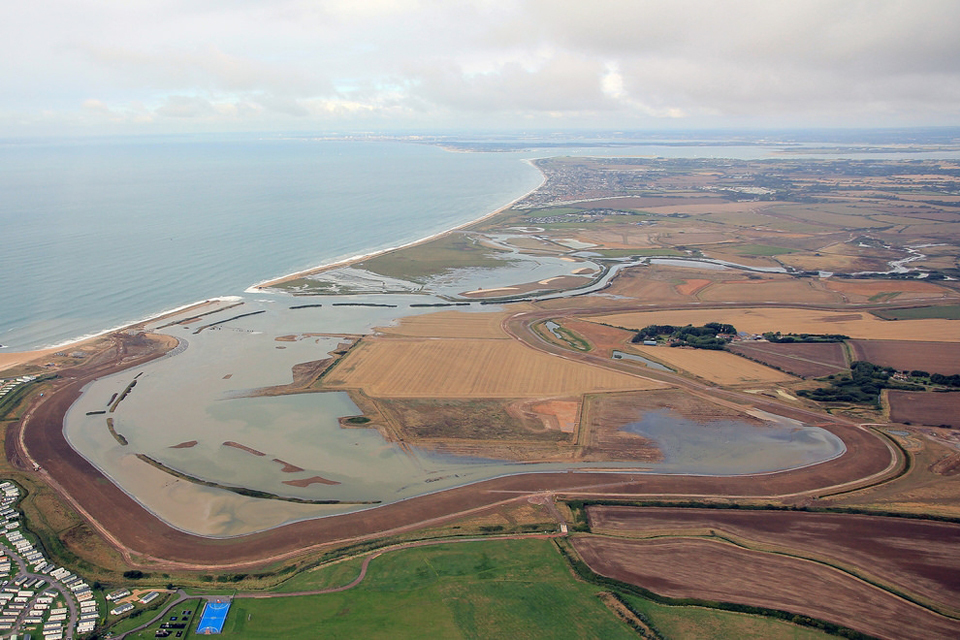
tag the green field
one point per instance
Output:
(515, 588)
(710, 624)
(417, 263)
(490, 589)
(948, 312)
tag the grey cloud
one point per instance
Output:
(564, 83)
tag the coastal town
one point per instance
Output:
(37, 597)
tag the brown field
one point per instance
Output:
(794, 290)
(807, 360)
(636, 284)
(718, 571)
(494, 419)
(913, 555)
(785, 320)
(716, 366)
(690, 287)
(864, 290)
(838, 263)
(934, 409)
(560, 414)
(469, 369)
(933, 357)
(449, 324)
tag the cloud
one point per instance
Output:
(421, 63)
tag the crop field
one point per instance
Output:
(911, 555)
(717, 571)
(791, 289)
(934, 409)
(449, 324)
(716, 366)
(948, 312)
(759, 320)
(933, 357)
(874, 290)
(496, 589)
(469, 369)
(807, 360)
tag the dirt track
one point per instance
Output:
(136, 532)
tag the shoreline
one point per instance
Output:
(346, 262)
(11, 359)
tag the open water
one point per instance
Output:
(99, 233)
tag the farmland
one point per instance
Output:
(468, 369)
(761, 319)
(907, 555)
(714, 570)
(807, 360)
(949, 312)
(935, 409)
(933, 357)
(718, 367)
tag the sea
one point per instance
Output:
(101, 233)
(98, 233)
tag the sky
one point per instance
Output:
(168, 66)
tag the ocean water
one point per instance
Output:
(100, 233)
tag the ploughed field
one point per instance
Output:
(914, 556)
(807, 360)
(932, 357)
(932, 409)
(718, 571)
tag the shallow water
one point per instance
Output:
(196, 395)
(730, 447)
